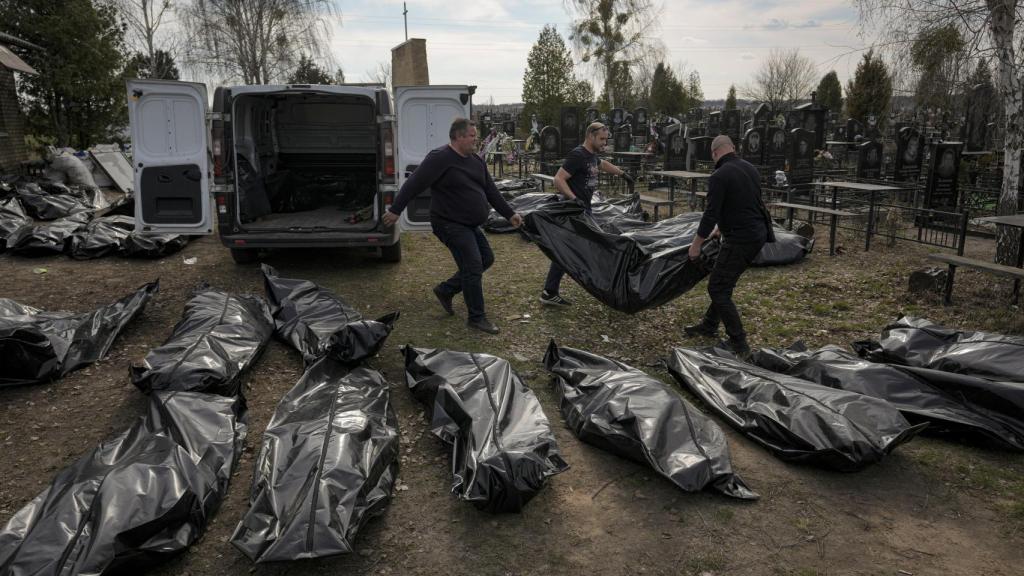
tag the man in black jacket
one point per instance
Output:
(462, 193)
(736, 212)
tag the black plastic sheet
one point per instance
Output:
(623, 410)
(47, 238)
(921, 343)
(607, 214)
(503, 449)
(954, 405)
(36, 346)
(797, 420)
(138, 245)
(51, 201)
(317, 322)
(101, 237)
(135, 500)
(12, 217)
(328, 463)
(617, 269)
(219, 336)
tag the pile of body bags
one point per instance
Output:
(40, 218)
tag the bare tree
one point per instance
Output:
(381, 74)
(990, 28)
(256, 41)
(785, 78)
(143, 18)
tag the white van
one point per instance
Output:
(291, 166)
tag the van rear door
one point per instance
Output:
(425, 114)
(170, 156)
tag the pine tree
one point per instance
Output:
(549, 82)
(830, 92)
(307, 72)
(870, 90)
(730, 100)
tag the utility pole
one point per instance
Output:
(405, 17)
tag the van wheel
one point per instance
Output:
(244, 255)
(392, 253)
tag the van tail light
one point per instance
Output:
(388, 153)
(389, 198)
(217, 144)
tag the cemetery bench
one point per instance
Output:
(833, 214)
(657, 203)
(992, 268)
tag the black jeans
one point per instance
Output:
(472, 255)
(555, 272)
(733, 259)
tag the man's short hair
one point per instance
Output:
(720, 141)
(595, 127)
(459, 128)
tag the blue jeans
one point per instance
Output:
(472, 255)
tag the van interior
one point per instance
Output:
(306, 161)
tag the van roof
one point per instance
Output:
(368, 91)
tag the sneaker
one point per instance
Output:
(483, 325)
(739, 348)
(700, 330)
(445, 300)
(553, 299)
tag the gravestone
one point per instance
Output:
(943, 172)
(592, 115)
(715, 123)
(775, 148)
(762, 116)
(794, 120)
(509, 127)
(753, 146)
(854, 128)
(976, 128)
(640, 121)
(731, 125)
(909, 154)
(549, 144)
(812, 118)
(485, 125)
(869, 160)
(618, 116)
(675, 148)
(569, 129)
(872, 130)
(700, 147)
(694, 116)
(801, 156)
(623, 139)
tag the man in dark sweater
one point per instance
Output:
(462, 193)
(577, 180)
(736, 212)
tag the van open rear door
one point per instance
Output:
(425, 114)
(170, 159)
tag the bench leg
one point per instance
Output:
(832, 236)
(947, 297)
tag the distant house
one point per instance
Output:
(12, 124)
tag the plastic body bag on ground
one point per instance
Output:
(101, 237)
(603, 212)
(218, 337)
(47, 238)
(12, 217)
(623, 410)
(799, 421)
(953, 404)
(36, 346)
(137, 498)
(316, 322)
(328, 463)
(153, 245)
(503, 449)
(919, 342)
(616, 269)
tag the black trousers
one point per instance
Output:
(472, 255)
(733, 260)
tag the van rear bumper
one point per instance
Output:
(370, 239)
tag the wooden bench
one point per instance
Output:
(833, 213)
(657, 203)
(991, 267)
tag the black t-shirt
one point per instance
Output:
(582, 166)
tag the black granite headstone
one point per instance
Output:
(731, 125)
(701, 148)
(715, 123)
(618, 117)
(549, 144)
(976, 127)
(854, 128)
(762, 115)
(909, 154)
(776, 150)
(509, 127)
(753, 146)
(569, 129)
(675, 148)
(869, 160)
(592, 115)
(943, 173)
(623, 139)
(801, 156)
(640, 122)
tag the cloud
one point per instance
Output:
(747, 56)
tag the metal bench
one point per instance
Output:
(991, 267)
(833, 213)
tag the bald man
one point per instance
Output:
(736, 212)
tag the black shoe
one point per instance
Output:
(553, 299)
(701, 330)
(739, 348)
(483, 325)
(445, 300)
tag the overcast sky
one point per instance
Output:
(486, 42)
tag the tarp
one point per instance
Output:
(138, 498)
(218, 337)
(797, 420)
(101, 237)
(36, 346)
(12, 217)
(952, 404)
(316, 322)
(328, 463)
(623, 410)
(616, 269)
(138, 245)
(921, 343)
(47, 238)
(503, 449)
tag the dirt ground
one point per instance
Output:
(933, 507)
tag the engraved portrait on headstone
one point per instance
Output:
(801, 159)
(909, 154)
(869, 160)
(941, 191)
